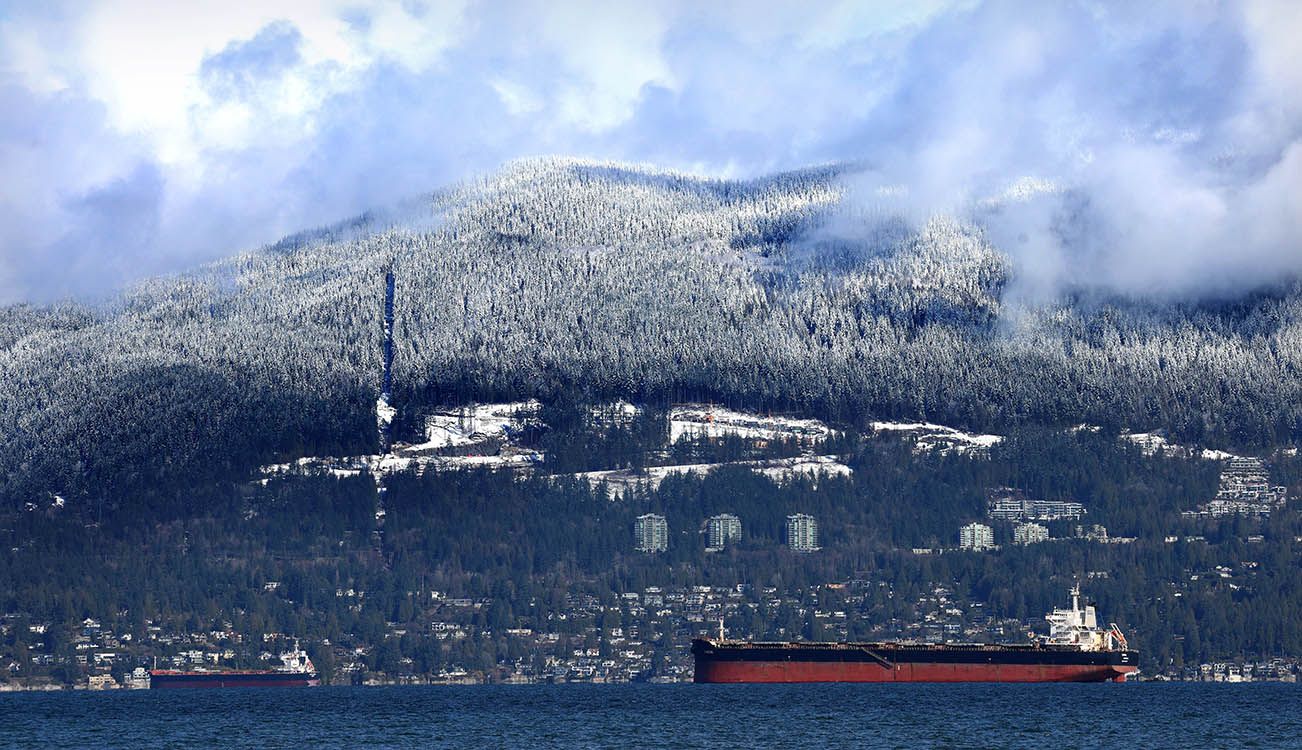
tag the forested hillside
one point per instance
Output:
(503, 574)
(565, 279)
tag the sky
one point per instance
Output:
(1148, 148)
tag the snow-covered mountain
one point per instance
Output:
(562, 278)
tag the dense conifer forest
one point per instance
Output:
(577, 283)
(558, 278)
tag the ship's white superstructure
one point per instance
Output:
(1079, 627)
(296, 661)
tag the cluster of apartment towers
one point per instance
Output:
(1011, 504)
(1245, 489)
(978, 536)
(651, 532)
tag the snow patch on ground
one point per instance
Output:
(472, 425)
(706, 421)
(384, 412)
(940, 438)
(778, 469)
(1217, 455)
(390, 463)
(489, 425)
(616, 412)
(1155, 443)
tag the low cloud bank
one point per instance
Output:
(1153, 150)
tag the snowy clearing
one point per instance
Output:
(705, 421)
(777, 469)
(389, 463)
(471, 425)
(940, 438)
(1153, 443)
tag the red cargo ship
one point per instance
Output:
(296, 670)
(1076, 650)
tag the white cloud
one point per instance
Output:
(517, 98)
(609, 52)
(141, 59)
(219, 125)
(414, 34)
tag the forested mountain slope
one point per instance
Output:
(566, 279)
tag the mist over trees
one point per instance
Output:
(564, 279)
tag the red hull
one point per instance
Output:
(235, 682)
(796, 671)
(167, 679)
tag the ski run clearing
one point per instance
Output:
(391, 463)
(475, 425)
(1153, 443)
(777, 469)
(692, 421)
(938, 437)
(484, 436)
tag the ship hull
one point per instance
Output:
(163, 680)
(846, 662)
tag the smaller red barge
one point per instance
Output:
(1076, 650)
(296, 670)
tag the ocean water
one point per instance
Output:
(1143, 715)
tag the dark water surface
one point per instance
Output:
(675, 716)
